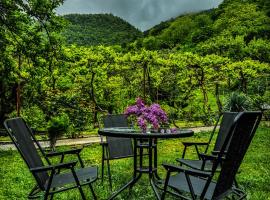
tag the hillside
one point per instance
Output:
(98, 29)
(234, 25)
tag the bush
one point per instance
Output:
(238, 102)
(56, 128)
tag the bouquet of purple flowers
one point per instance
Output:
(152, 114)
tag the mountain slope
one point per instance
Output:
(233, 25)
(99, 29)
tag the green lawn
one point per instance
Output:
(16, 181)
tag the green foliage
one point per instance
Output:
(34, 116)
(237, 102)
(237, 29)
(57, 126)
(98, 29)
(28, 40)
(188, 65)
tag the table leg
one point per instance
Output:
(152, 172)
(155, 160)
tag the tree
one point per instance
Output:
(27, 33)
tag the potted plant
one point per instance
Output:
(237, 102)
(57, 126)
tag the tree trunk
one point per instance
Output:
(18, 90)
(217, 98)
(243, 82)
(92, 96)
(144, 81)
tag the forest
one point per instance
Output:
(98, 29)
(194, 66)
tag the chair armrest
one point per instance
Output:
(217, 152)
(194, 172)
(209, 157)
(194, 143)
(71, 151)
(66, 165)
(204, 156)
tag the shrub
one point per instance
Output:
(56, 128)
(238, 102)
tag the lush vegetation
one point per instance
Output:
(98, 29)
(189, 65)
(16, 181)
(194, 66)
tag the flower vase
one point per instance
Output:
(146, 130)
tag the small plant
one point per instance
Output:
(237, 102)
(56, 128)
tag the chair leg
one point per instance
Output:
(46, 195)
(92, 190)
(82, 194)
(184, 153)
(108, 168)
(102, 163)
(51, 196)
(165, 185)
(235, 182)
(78, 183)
(34, 192)
(109, 173)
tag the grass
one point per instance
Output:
(16, 181)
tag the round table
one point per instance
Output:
(143, 141)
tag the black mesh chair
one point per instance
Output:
(49, 178)
(113, 147)
(227, 119)
(199, 184)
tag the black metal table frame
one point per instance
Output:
(141, 143)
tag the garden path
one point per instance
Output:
(84, 141)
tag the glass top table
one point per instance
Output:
(143, 141)
(134, 133)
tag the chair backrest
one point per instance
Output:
(239, 139)
(119, 120)
(20, 134)
(118, 147)
(226, 123)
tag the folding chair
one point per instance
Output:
(49, 178)
(198, 183)
(227, 119)
(115, 148)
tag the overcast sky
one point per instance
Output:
(142, 14)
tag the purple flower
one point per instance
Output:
(139, 103)
(152, 114)
(156, 110)
(132, 110)
(141, 123)
(173, 130)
